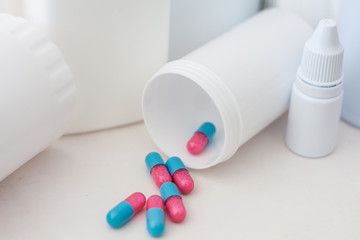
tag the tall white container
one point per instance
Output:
(113, 48)
(349, 31)
(195, 22)
(37, 94)
(240, 81)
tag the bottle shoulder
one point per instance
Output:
(319, 92)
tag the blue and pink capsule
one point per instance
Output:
(180, 175)
(155, 215)
(201, 138)
(173, 202)
(157, 168)
(125, 210)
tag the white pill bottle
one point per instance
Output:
(239, 81)
(112, 47)
(37, 94)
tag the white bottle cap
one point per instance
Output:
(50, 60)
(36, 89)
(321, 63)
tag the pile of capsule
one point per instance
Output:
(172, 178)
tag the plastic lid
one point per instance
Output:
(168, 189)
(50, 61)
(173, 164)
(321, 63)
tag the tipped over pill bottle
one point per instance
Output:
(240, 82)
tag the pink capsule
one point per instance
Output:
(180, 175)
(173, 202)
(201, 138)
(157, 168)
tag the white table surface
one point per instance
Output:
(264, 192)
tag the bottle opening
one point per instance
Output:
(174, 106)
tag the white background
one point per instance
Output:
(263, 192)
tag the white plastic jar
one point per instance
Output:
(240, 81)
(37, 94)
(112, 47)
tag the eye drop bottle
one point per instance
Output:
(317, 94)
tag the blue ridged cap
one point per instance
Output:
(173, 164)
(153, 159)
(155, 221)
(208, 129)
(120, 214)
(168, 189)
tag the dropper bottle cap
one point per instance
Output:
(321, 63)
